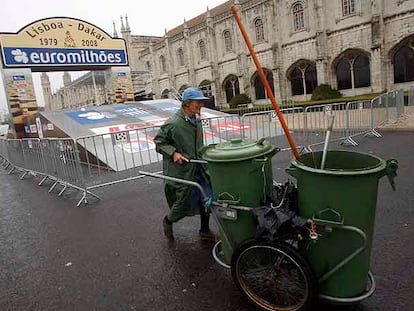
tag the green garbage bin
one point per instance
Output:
(341, 199)
(241, 177)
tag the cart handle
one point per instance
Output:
(178, 180)
(197, 161)
(347, 259)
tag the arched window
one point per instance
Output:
(311, 79)
(260, 92)
(205, 86)
(403, 65)
(343, 74)
(296, 80)
(259, 30)
(231, 87)
(362, 74)
(298, 17)
(180, 56)
(202, 48)
(165, 93)
(348, 7)
(352, 71)
(182, 88)
(228, 41)
(303, 78)
(163, 67)
(148, 66)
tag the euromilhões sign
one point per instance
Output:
(62, 41)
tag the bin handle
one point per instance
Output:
(258, 160)
(347, 259)
(232, 199)
(320, 220)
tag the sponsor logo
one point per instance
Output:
(20, 56)
(88, 117)
(63, 57)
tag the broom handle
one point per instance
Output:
(265, 82)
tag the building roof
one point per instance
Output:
(222, 8)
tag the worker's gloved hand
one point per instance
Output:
(208, 202)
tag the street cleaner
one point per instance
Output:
(179, 140)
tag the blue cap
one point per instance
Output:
(192, 93)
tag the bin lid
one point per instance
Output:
(238, 149)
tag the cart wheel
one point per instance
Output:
(273, 277)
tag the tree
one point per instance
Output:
(239, 99)
(325, 91)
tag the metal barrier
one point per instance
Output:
(411, 96)
(34, 157)
(113, 158)
(267, 124)
(90, 162)
(4, 162)
(15, 155)
(62, 163)
(358, 120)
(316, 122)
(221, 129)
(385, 109)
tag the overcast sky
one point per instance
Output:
(145, 18)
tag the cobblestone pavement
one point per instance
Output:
(112, 255)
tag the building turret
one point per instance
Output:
(126, 31)
(115, 34)
(47, 91)
(67, 79)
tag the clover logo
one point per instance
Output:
(92, 115)
(20, 56)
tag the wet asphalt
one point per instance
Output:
(112, 254)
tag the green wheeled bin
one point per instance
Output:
(341, 200)
(241, 177)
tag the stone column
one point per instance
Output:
(378, 71)
(243, 75)
(276, 83)
(388, 74)
(188, 53)
(321, 71)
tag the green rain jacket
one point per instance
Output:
(178, 134)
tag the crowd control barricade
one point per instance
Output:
(358, 120)
(395, 105)
(385, 109)
(225, 128)
(33, 156)
(15, 154)
(399, 105)
(410, 101)
(316, 123)
(99, 160)
(116, 157)
(267, 124)
(62, 163)
(4, 158)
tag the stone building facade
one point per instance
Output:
(86, 90)
(357, 46)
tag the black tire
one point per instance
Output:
(288, 286)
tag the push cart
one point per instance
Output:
(287, 245)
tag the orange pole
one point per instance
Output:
(265, 82)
